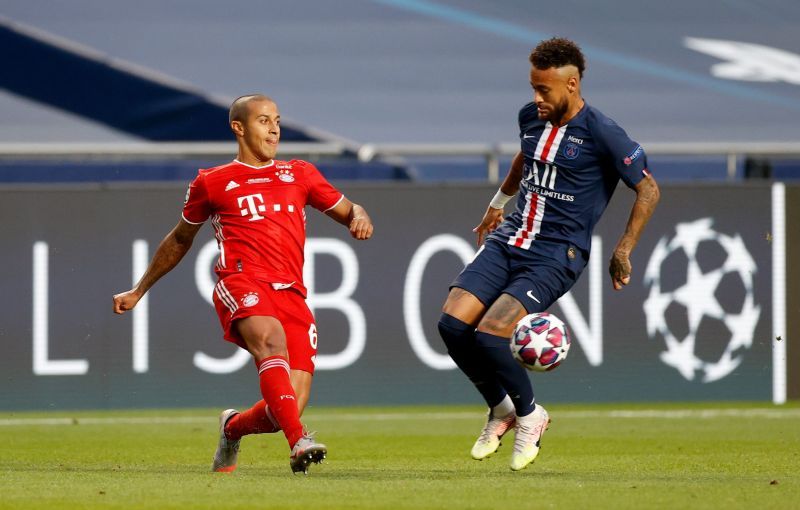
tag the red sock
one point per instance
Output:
(276, 388)
(255, 420)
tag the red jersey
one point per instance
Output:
(258, 215)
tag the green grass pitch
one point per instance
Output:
(611, 456)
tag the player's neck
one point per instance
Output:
(571, 112)
(251, 160)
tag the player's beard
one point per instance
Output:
(559, 111)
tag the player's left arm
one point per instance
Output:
(647, 196)
(352, 216)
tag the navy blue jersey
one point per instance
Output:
(569, 175)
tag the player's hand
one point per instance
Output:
(491, 220)
(361, 226)
(619, 267)
(126, 301)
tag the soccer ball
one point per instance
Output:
(540, 342)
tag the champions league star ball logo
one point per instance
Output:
(702, 278)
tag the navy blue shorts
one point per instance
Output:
(534, 278)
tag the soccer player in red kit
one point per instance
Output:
(257, 209)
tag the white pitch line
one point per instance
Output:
(442, 416)
(11, 422)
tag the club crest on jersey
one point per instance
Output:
(285, 175)
(250, 299)
(571, 151)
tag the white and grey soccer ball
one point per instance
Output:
(540, 342)
(704, 296)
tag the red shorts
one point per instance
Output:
(238, 296)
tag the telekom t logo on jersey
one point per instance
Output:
(255, 205)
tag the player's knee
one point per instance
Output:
(275, 342)
(268, 343)
(457, 301)
(450, 303)
(495, 326)
(463, 305)
(502, 316)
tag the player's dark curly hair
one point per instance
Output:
(557, 52)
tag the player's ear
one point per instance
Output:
(572, 83)
(237, 128)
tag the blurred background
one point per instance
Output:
(107, 110)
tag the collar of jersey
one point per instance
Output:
(580, 112)
(256, 167)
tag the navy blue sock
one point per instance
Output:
(496, 353)
(459, 337)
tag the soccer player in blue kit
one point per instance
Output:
(571, 160)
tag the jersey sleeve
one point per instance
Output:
(321, 194)
(626, 156)
(196, 208)
(526, 114)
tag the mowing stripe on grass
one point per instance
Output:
(770, 413)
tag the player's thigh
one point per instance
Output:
(244, 305)
(479, 284)
(263, 335)
(502, 316)
(301, 382)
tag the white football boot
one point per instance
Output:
(227, 451)
(489, 440)
(528, 435)
(305, 452)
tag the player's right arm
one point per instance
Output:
(196, 209)
(494, 213)
(171, 250)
